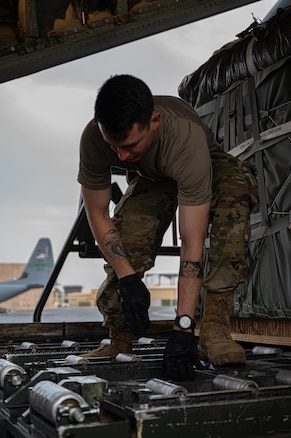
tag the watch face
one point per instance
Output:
(185, 322)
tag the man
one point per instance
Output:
(165, 148)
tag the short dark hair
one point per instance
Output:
(122, 101)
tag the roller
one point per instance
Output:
(9, 368)
(266, 350)
(50, 401)
(73, 359)
(163, 387)
(128, 357)
(70, 344)
(223, 382)
(146, 341)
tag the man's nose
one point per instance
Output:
(122, 154)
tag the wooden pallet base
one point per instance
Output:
(259, 330)
(252, 330)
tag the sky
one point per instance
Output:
(42, 118)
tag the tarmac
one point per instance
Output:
(76, 314)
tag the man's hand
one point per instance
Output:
(135, 300)
(181, 356)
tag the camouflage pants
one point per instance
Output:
(235, 192)
(142, 217)
(146, 211)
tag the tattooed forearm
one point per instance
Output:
(113, 244)
(191, 269)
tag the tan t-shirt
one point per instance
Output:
(181, 153)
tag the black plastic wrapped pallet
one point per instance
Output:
(252, 120)
(258, 47)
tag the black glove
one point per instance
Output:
(181, 356)
(135, 300)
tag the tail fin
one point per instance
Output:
(40, 264)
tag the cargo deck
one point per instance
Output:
(48, 390)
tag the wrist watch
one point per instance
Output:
(184, 322)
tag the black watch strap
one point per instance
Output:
(184, 322)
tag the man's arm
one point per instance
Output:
(134, 295)
(193, 223)
(97, 208)
(181, 355)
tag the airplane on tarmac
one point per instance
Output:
(35, 273)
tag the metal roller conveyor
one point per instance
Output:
(15, 372)
(70, 344)
(53, 402)
(12, 376)
(147, 341)
(65, 394)
(28, 346)
(105, 341)
(128, 357)
(163, 387)
(224, 382)
(266, 350)
(73, 359)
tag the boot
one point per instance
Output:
(121, 342)
(215, 343)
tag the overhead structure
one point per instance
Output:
(35, 34)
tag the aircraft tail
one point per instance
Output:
(40, 264)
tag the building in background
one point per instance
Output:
(161, 285)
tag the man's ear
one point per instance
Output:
(155, 120)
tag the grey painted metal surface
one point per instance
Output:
(104, 397)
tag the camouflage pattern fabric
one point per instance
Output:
(142, 217)
(235, 192)
(146, 210)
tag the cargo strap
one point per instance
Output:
(267, 139)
